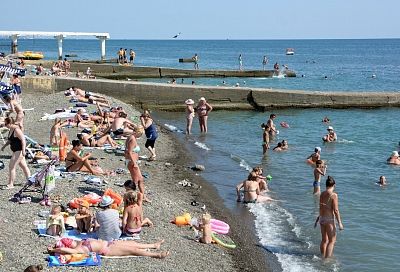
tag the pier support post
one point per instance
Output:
(103, 46)
(60, 45)
(14, 44)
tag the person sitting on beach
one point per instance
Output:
(203, 109)
(74, 162)
(319, 171)
(107, 220)
(34, 268)
(205, 228)
(314, 157)
(56, 69)
(265, 144)
(331, 136)
(121, 125)
(132, 220)
(16, 107)
(262, 181)
(394, 158)
(382, 181)
(82, 120)
(251, 190)
(116, 248)
(278, 148)
(39, 69)
(271, 125)
(96, 141)
(84, 218)
(55, 222)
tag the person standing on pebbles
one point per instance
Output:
(16, 140)
(151, 133)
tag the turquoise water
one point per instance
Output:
(348, 64)
(370, 241)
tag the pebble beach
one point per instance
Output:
(21, 246)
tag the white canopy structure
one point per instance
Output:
(14, 35)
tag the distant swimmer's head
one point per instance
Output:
(272, 116)
(317, 149)
(330, 182)
(373, 76)
(395, 154)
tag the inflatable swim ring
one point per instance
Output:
(219, 226)
(284, 124)
(223, 240)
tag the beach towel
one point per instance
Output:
(91, 259)
(73, 234)
(66, 114)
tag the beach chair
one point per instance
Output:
(41, 182)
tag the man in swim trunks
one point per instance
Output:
(271, 125)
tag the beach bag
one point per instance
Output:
(50, 179)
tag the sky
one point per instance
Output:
(212, 19)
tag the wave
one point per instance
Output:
(280, 234)
(242, 162)
(202, 146)
(344, 141)
(173, 128)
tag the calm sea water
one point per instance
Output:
(370, 241)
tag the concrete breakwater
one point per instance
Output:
(171, 97)
(114, 71)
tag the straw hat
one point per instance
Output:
(330, 128)
(106, 201)
(189, 102)
(395, 154)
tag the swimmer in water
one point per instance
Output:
(265, 144)
(314, 157)
(326, 120)
(331, 136)
(382, 181)
(319, 171)
(394, 158)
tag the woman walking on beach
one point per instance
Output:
(151, 133)
(328, 211)
(189, 115)
(203, 109)
(16, 140)
(132, 150)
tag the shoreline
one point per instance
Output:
(21, 246)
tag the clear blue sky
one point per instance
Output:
(210, 19)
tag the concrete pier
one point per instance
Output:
(171, 97)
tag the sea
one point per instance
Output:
(370, 240)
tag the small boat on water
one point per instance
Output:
(30, 55)
(289, 51)
(186, 60)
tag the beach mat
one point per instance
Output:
(73, 234)
(92, 259)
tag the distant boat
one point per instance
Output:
(29, 55)
(289, 51)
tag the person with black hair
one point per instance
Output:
(74, 162)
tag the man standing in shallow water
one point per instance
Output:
(271, 125)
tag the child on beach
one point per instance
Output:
(205, 228)
(320, 170)
(266, 132)
(55, 222)
(84, 218)
(132, 222)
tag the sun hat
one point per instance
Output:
(106, 201)
(189, 101)
(395, 154)
(84, 203)
(202, 98)
(330, 128)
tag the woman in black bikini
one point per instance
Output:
(16, 140)
(74, 162)
(328, 210)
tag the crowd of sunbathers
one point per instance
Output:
(104, 127)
